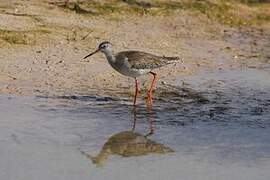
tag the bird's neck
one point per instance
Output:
(110, 56)
(101, 157)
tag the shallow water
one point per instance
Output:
(217, 124)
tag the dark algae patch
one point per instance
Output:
(28, 37)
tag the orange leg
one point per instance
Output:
(150, 96)
(136, 92)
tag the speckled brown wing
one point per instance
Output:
(142, 60)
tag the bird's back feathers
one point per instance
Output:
(142, 60)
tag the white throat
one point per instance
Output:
(109, 55)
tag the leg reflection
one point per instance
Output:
(149, 116)
(134, 118)
(150, 119)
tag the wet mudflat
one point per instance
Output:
(215, 125)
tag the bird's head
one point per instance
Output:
(103, 47)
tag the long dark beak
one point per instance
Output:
(91, 53)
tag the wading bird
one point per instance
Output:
(134, 64)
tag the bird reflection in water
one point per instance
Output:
(130, 143)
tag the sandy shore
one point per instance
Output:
(47, 60)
